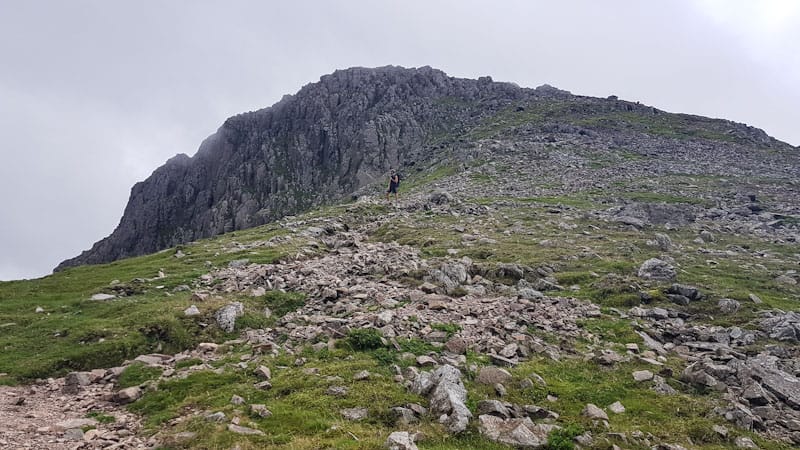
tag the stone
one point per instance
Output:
(263, 373)
(783, 327)
(260, 410)
(456, 345)
(728, 306)
(690, 292)
(425, 361)
(404, 416)
(593, 412)
(128, 395)
(150, 360)
(337, 391)
(263, 385)
(237, 400)
(207, 347)
(663, 242)
(658, 270)
(428, 288)
(103, 297)
(521, 433)
(538, 413)
(744, 442)
(448, 398)
(720, 430)
(492, 375)
(73, 434)
(361, 376)
(227, 315)
(493, 407)
(218, 416)
(642, 375)
(384, 318)
(400, 440)
(238, 429)
(75, 381)
(616, 408)
(755, 299)
(354, 414)
(191, 311)
(39, 309)
(74, 423)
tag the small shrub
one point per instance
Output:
(562, 439)
(384, 356)
(363, 339)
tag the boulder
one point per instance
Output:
(728, 305)
(492, 375)
(658, 270)
(521, 433)
(227, 315)
(400, 440)
(593, 412)
(128, 395)
(354, 414)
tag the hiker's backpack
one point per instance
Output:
(399, 178)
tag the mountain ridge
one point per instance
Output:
(337, 136)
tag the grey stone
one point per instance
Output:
(354, 414)
(227, 315)
(493, 407)
(493, 375)
(521, 433)
(260, 410)
(656, 269)
(400, 440)
(616, 408)
(128, 395)
(238, 429)
(744, 442)
(593, 412)
(728, 306)
(263, 372)
(218, 416)
(191, 311)
(642, 375)
(448, 399)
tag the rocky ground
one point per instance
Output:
(495, 264)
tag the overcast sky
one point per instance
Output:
(94, 95)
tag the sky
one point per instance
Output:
(95, 95)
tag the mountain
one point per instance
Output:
(558, 272)
(346, 131)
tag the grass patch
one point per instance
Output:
(138, 373)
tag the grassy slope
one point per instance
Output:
(69, 334)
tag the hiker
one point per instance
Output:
(394, 181)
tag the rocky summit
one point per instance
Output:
(557, 272)
(344, 132)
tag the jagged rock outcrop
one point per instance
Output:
(344, 132)
(321, 144)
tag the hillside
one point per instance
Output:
(559, 271)
(345, 132)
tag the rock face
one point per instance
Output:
(331, 138)
(447, 395)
